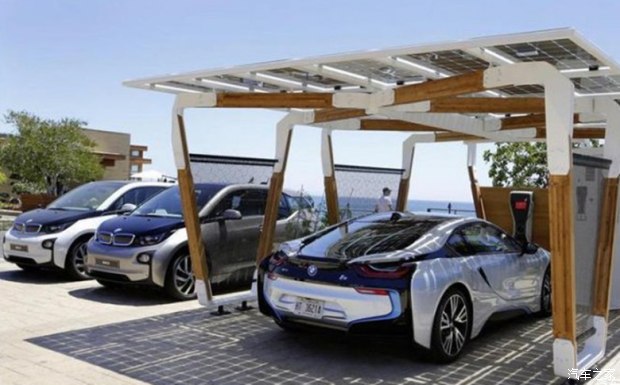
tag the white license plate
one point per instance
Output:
(23, 248)
(309, 308)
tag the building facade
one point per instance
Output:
(119, 157)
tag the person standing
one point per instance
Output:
(384, 203)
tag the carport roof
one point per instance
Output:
(592, 72)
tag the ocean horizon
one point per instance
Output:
(356, 206)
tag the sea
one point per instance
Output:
(356, 206)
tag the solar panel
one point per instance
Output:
(453, 61)
(379, 69)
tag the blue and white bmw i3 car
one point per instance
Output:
(56, 236)
(149, 247)
(437, 278)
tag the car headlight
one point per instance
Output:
(152, 239)
(51, 229)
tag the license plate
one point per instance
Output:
(106, 263)
(23, 248)
(309, 308)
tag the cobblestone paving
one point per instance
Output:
(194, 347)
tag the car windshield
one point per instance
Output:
(364, 237)
(87, 197)
(168, 202)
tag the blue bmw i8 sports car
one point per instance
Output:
(437, 278)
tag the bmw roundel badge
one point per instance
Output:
(312, 270)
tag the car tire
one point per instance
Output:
(451, 327)
(27, 267)
(75, 264)
(545, 296)
(180, 280)
(287, 326)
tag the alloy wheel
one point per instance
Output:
(454, 325)
(184, 279)
(79, 257)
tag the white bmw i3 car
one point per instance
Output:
(437, 279)
(56, 236)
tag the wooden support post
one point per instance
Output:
(283, 144)
(265, 243)
(604, 251)
(190, 212)
(604, 265)
(475, 193)
(562, 232)
(331, 190)
(407, 162)
(475, 187)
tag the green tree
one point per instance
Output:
(48, 155)
(518, 164)
(522, 164)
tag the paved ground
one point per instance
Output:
(58, 332)
(34, 305)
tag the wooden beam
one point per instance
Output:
(488, 105)
(197, 254)
(475, 193)
(455, 137)
(394, 125)
(332, 114)
(578, 133)
(441, 88)
(589, 133)
(604, 251)
(562, 238)
(279, 100)
(527, 121)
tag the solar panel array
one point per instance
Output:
(586, 66)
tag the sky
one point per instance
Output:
(62, 58)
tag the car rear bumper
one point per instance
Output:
(343, 307)
(27, 249)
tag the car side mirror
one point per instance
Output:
(529, 248)
(127, 208)
(231, 214)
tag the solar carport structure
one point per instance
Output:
(551, 85)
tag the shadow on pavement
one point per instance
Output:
(40, 276)
(195, 347)
(125, 295)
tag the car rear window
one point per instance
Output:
(363, 237)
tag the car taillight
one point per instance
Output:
(365, 290)
(370, 271)
(272, 276)
(278, 259)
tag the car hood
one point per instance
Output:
(140, 225)
(47, 217)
